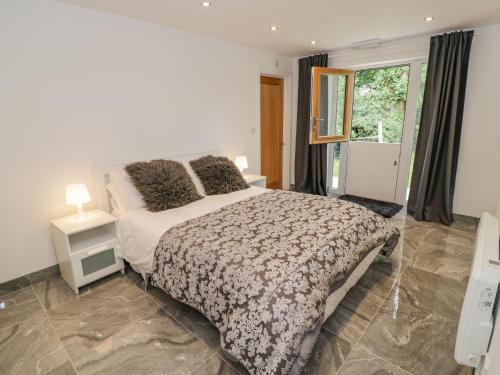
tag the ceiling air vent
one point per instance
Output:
(370, 43)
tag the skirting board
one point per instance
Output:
(465, 218)
(27, 280)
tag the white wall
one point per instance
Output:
(478, 177)
(80, 88)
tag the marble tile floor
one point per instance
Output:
(401, 319)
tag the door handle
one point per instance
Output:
(395, 162)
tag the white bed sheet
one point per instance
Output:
(139, 230)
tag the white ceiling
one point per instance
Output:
(332, 23)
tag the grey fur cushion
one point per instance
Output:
(218, 175)
(163, 184)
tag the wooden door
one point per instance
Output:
(271, 130)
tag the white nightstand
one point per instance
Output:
(86, 247)
(255, 180)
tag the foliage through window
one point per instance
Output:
(335, 152)
(379, 104)
(423, 76)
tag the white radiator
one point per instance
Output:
(478, 338)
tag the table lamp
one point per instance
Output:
(241, 162)
(77, 195)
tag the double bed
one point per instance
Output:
(267, 268)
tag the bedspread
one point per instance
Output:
(261, 269)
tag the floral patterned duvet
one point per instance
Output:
(261, 269)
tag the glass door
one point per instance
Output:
(420, 100)
(379, 106)
(375, 163)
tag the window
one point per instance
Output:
(423, 76)
(331, 104)
(379, 104)
(335, 151)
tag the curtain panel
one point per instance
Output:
(310, 160)
(436, 154)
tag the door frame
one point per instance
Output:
(287, 137)
(407, 131)
(280, 82)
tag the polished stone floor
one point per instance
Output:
(401, 318)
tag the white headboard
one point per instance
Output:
(101, 174)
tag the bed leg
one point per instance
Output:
(146, 283)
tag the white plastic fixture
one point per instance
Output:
(477, 320)
(241, 162)
(77, 195)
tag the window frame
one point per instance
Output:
(315, 137)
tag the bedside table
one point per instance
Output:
(86, 247)
(255, 180)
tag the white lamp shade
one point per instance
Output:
(77, 194)
(241, 162)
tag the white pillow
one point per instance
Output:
(128, 194)
(194, 178)
(116, 202)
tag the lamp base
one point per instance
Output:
(79, 210)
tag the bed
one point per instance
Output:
(267, 268)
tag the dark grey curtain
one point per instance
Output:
(436, 155)
(310, 160)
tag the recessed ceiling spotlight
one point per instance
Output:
(312, 42)
(206, 4)
(428, 19)
(273, 28)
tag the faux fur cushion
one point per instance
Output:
(163, 184)
(218, 175)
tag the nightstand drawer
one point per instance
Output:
(99, 261)
(96, 262)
